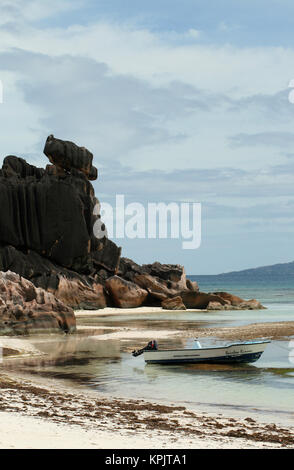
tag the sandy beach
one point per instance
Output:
(38, 415)
(39, 412)
(271, 330)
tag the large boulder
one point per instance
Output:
(76, 290)
(218, 301)
(232, 299)
(125, 294)
(173, 303)
(107, 256)
(239, 303)
(26, 309)
(78, 295)
(173, 273)
(68, 156)
(162, 281)
(212, 305)
(200, 300)
(192, 285)
(156, 288)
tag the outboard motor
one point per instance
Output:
(151, 345)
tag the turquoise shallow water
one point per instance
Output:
(268, 292)
(265, 388)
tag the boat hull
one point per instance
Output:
(234, 353)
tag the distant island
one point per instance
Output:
(275, 272)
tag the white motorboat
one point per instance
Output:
(248, 351)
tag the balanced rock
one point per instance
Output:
(68, 156)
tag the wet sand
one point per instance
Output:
(271, 330)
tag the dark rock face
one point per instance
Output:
(107, 256)
(50, 215)
(68, 156)
(46, 226)
(19, 168)
(26, 309)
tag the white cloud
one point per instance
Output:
(159, 110)
(151, 56)
(193, 33)
(19, 12)
(177, 105)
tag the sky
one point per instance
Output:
(178, 100)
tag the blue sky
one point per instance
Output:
(243, 22)
(178, 100)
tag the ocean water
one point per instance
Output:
(264, 388)
(268, 292)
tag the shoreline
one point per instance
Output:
(42, 412)
(269, 329)
(39, 415)
(114, 311)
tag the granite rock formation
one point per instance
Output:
(200, 300)
(46, 237)
(26, 309)
(67, 156)
(173, 303)
(236, 303)
(161, 281)
(125, 294)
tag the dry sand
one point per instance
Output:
(110, 311)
